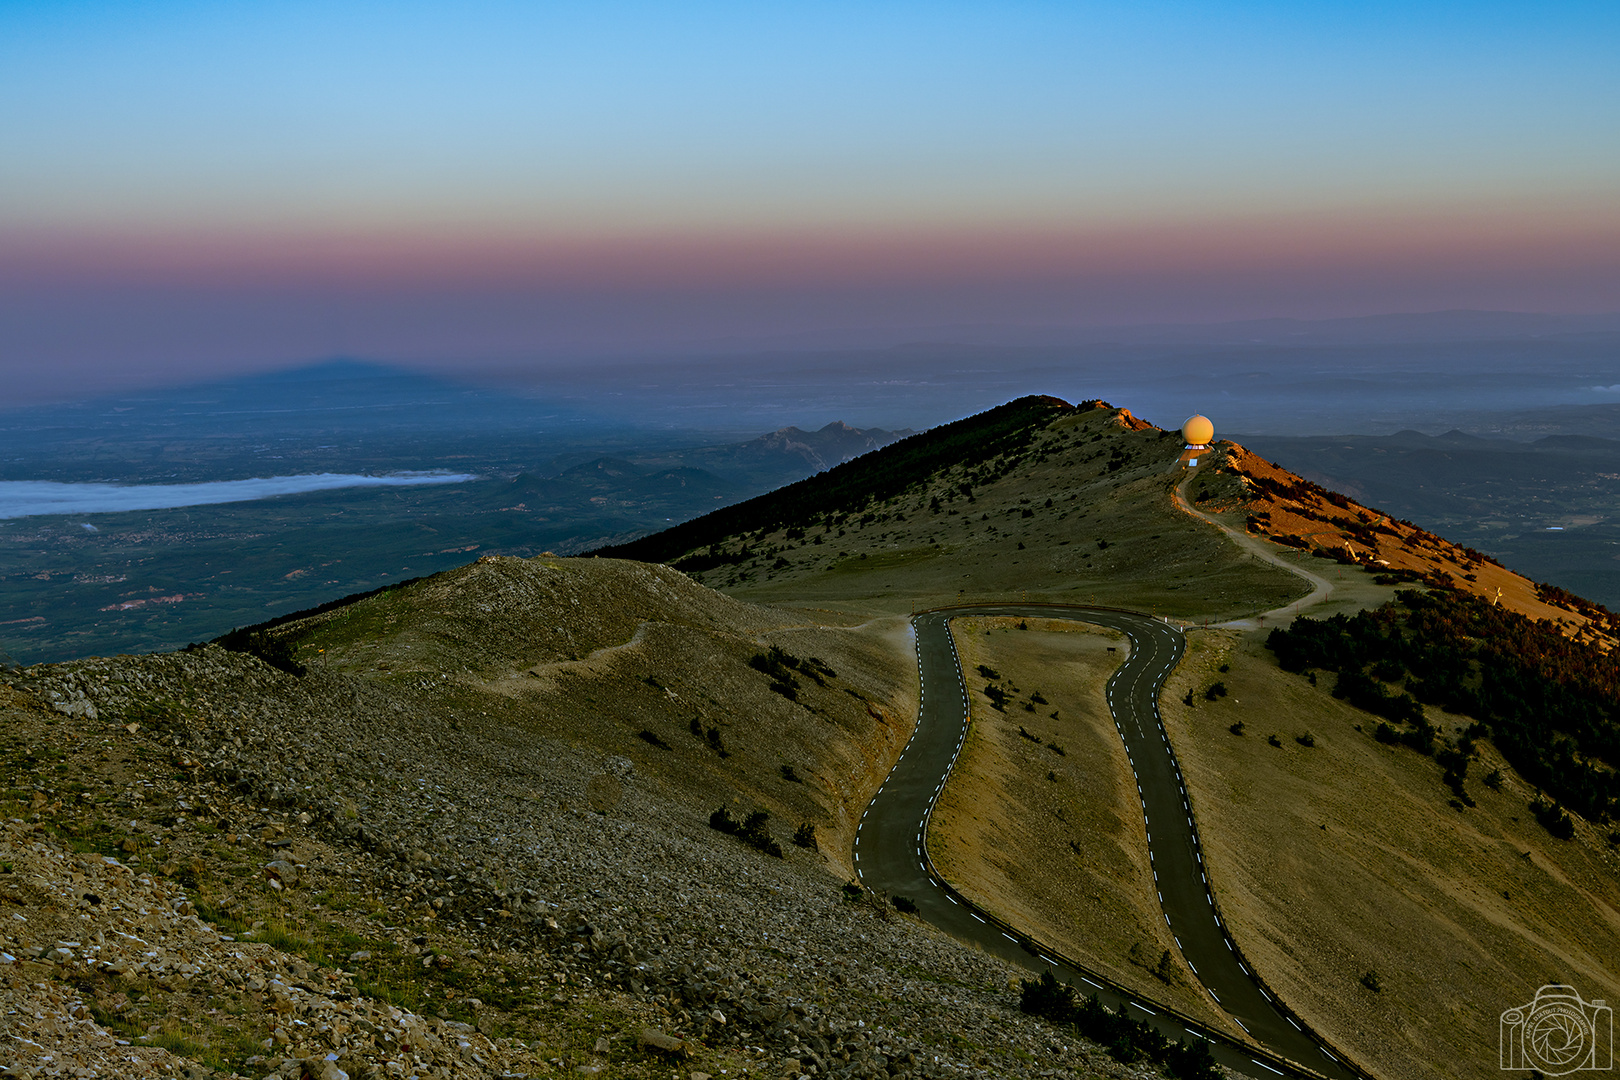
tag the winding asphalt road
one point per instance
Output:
(891, 851)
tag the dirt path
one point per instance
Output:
(1321, 587)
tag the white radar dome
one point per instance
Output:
(1198, 431)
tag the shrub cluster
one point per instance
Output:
(780, 665)
(1550, 704)
(1553, 818)
(712, 736)
(750, 831)
(1127, 1041)
(278, 652)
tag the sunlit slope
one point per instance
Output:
(1034, 498)
(1273, 503)
(1397, 920)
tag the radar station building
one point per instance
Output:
(1198, 433)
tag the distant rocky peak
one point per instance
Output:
(829, 445)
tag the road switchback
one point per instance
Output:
(891, 847)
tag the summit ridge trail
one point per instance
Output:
(891, 846)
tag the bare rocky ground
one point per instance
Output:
(410, 863)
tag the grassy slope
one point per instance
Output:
(1342, 858)
(1045, 516)
(848, 487)
(1054, 843)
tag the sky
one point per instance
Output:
(208, 188)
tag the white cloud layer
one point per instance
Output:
(27, 498)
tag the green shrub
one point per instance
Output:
(278, 652)
(1127, 1040)
(1553, 818)
(750, 831)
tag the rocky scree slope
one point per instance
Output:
(419, 884)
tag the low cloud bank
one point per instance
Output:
(28, 498)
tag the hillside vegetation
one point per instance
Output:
(1398, 920)
(1034, 498)
(1550, 705)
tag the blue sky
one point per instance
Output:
(157, 151)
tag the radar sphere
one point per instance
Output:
(1198, 431)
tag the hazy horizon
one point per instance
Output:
(192, 190)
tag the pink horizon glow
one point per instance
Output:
(1532, 243)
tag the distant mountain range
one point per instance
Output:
(1394, 328)
(786, 454)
